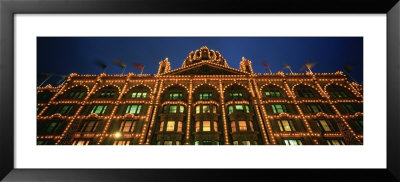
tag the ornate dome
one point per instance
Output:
(204, 54)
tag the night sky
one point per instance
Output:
(65, 55)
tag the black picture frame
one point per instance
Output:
(9, 8)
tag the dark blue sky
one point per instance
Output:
(64, 55)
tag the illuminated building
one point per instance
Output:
(205, 102)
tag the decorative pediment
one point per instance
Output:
(206, 68)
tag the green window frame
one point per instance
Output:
(64, 109)
(52, 127)
(107, 94)
(314, 108)
(173, 108)
(279, 108)
(273, 93)
(133, 109)
(98, 109)
(205, 96)
(138, 95)
(175, 95)
(349, 108)
(235, 95)
(239, 108)
(230, 109)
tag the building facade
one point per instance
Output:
(205, 102)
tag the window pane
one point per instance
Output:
(197, 126)
(172, 108)
(206, 126)
(242, 126)
(134, 94)
(138, 109)
(206, 109)
(179, 126)
(286, 125)
(139, 95)
(324, 125)
(246, 142)
(167, 142)
(233, 126)
(162, 126)
(239, 108)
(230, 109)
(197, 109)
(247, 109)
(170, 125)
(215, 126)
(144, 95)
(51, 127)
(181, 109)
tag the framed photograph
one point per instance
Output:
(143, 90)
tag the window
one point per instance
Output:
(133, 109)
(175, 96)
(167, 142)
(214, 108)
(206, 109)
(107, 94)
(99, 109)
(206, 126)
(239, 108)
(170, 125)
(197, 109)
(338, 94)
(324, 125)
(89, 126)
(293, 142)
(173, 108)
(247, 108)
(165, 107)
(122, 142)
(177, 142)
(233, 126)
(52, 127)
(286, 125)
(215, 126)
(139, 95)
(335, 142)
(360, 123)
(42, 142)
(205, 96)
(314, 108)
(235, 143)
(242, 126)
(80, 142)
(251, 125)
(64, 109)
(236, 95)
(279, 108)
(197, 142)
(273, 93)
(207, 142)
(127, 126)
(181, 109)
(179, 126)
(230, 109)
(246, 143)
(197, 126)
(76, 95)
(162, 126)
(305, 93)
(349, 108)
